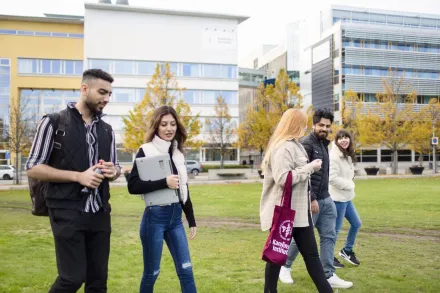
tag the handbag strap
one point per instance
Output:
(287, 192)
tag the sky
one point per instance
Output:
(266, 24)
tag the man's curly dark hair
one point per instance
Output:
(322, 113)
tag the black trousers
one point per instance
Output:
(306, 242)
(82, 246)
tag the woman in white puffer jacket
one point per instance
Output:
(342, 156)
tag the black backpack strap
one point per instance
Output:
(59, 125)
(61, 130)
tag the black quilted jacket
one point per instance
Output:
(318, 149)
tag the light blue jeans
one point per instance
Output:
(348, 211)
(161, 223)
(325, 222)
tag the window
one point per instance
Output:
(360, 17)
(124, 156)
(100, 64)
(378, 18)
(230, 97)
(189, 96)
(46, 67)
(70, 67)
(63, 35)
(428, 22)
(43, 34)
(124, 95)
(56, 66)
(412, 21)
(79, 67)
(173, 68)
(214, 155)
(146, 68)
(209, 97)
(229, 71)
(140, 94)
(123, 67)
(211, 70)
(190, 69)
(394, 20)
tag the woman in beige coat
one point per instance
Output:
(285, 154)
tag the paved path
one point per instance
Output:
(203, 179)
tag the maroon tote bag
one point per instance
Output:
(278, 242)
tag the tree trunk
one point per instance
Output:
(17, 171)
(420, 160)
(395, 156)
(221, 160)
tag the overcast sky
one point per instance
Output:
(267, 18)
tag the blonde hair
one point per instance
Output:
(291, 126)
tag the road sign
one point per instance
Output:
(434, 141)
(7, 155)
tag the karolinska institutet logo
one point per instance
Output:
(286, 230)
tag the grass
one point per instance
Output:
(398, 244)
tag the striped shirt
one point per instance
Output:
(43, 145)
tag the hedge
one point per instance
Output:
(207, 167)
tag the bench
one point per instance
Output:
(222, 174)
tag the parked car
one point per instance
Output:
(7, 172)
(193, 167)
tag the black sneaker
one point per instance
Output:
(337, 264)
(349, 256)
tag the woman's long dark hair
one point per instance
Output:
(180, 136)
(349, 152)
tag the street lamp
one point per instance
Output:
(434, 142)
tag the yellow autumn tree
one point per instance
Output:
(425, 122)
(350, 106)
(270, 104)
(221, 129)
(387, 122)
(161, 90)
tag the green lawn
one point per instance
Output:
(399, 243)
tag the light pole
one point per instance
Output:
(434, 144)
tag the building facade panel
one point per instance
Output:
(394, 59)
(141, 36)
(406, 35)
(322, 74)
(374, 84)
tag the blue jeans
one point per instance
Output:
(325, 222)
(161, 223)
(348, 211)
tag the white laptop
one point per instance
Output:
(156, 168)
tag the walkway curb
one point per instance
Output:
(244, 181)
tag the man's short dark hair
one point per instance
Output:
(90, 74)
(322, 113)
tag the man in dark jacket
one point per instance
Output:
(75, 152)
(322, 206)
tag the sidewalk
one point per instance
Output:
(202, 178)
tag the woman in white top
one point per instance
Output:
(342, 156)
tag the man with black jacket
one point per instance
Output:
(76, 154)
(322, 206)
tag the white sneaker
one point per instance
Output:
(336, 282)
(285, 276)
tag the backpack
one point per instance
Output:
(37, 188)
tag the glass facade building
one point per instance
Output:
(362, 47)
